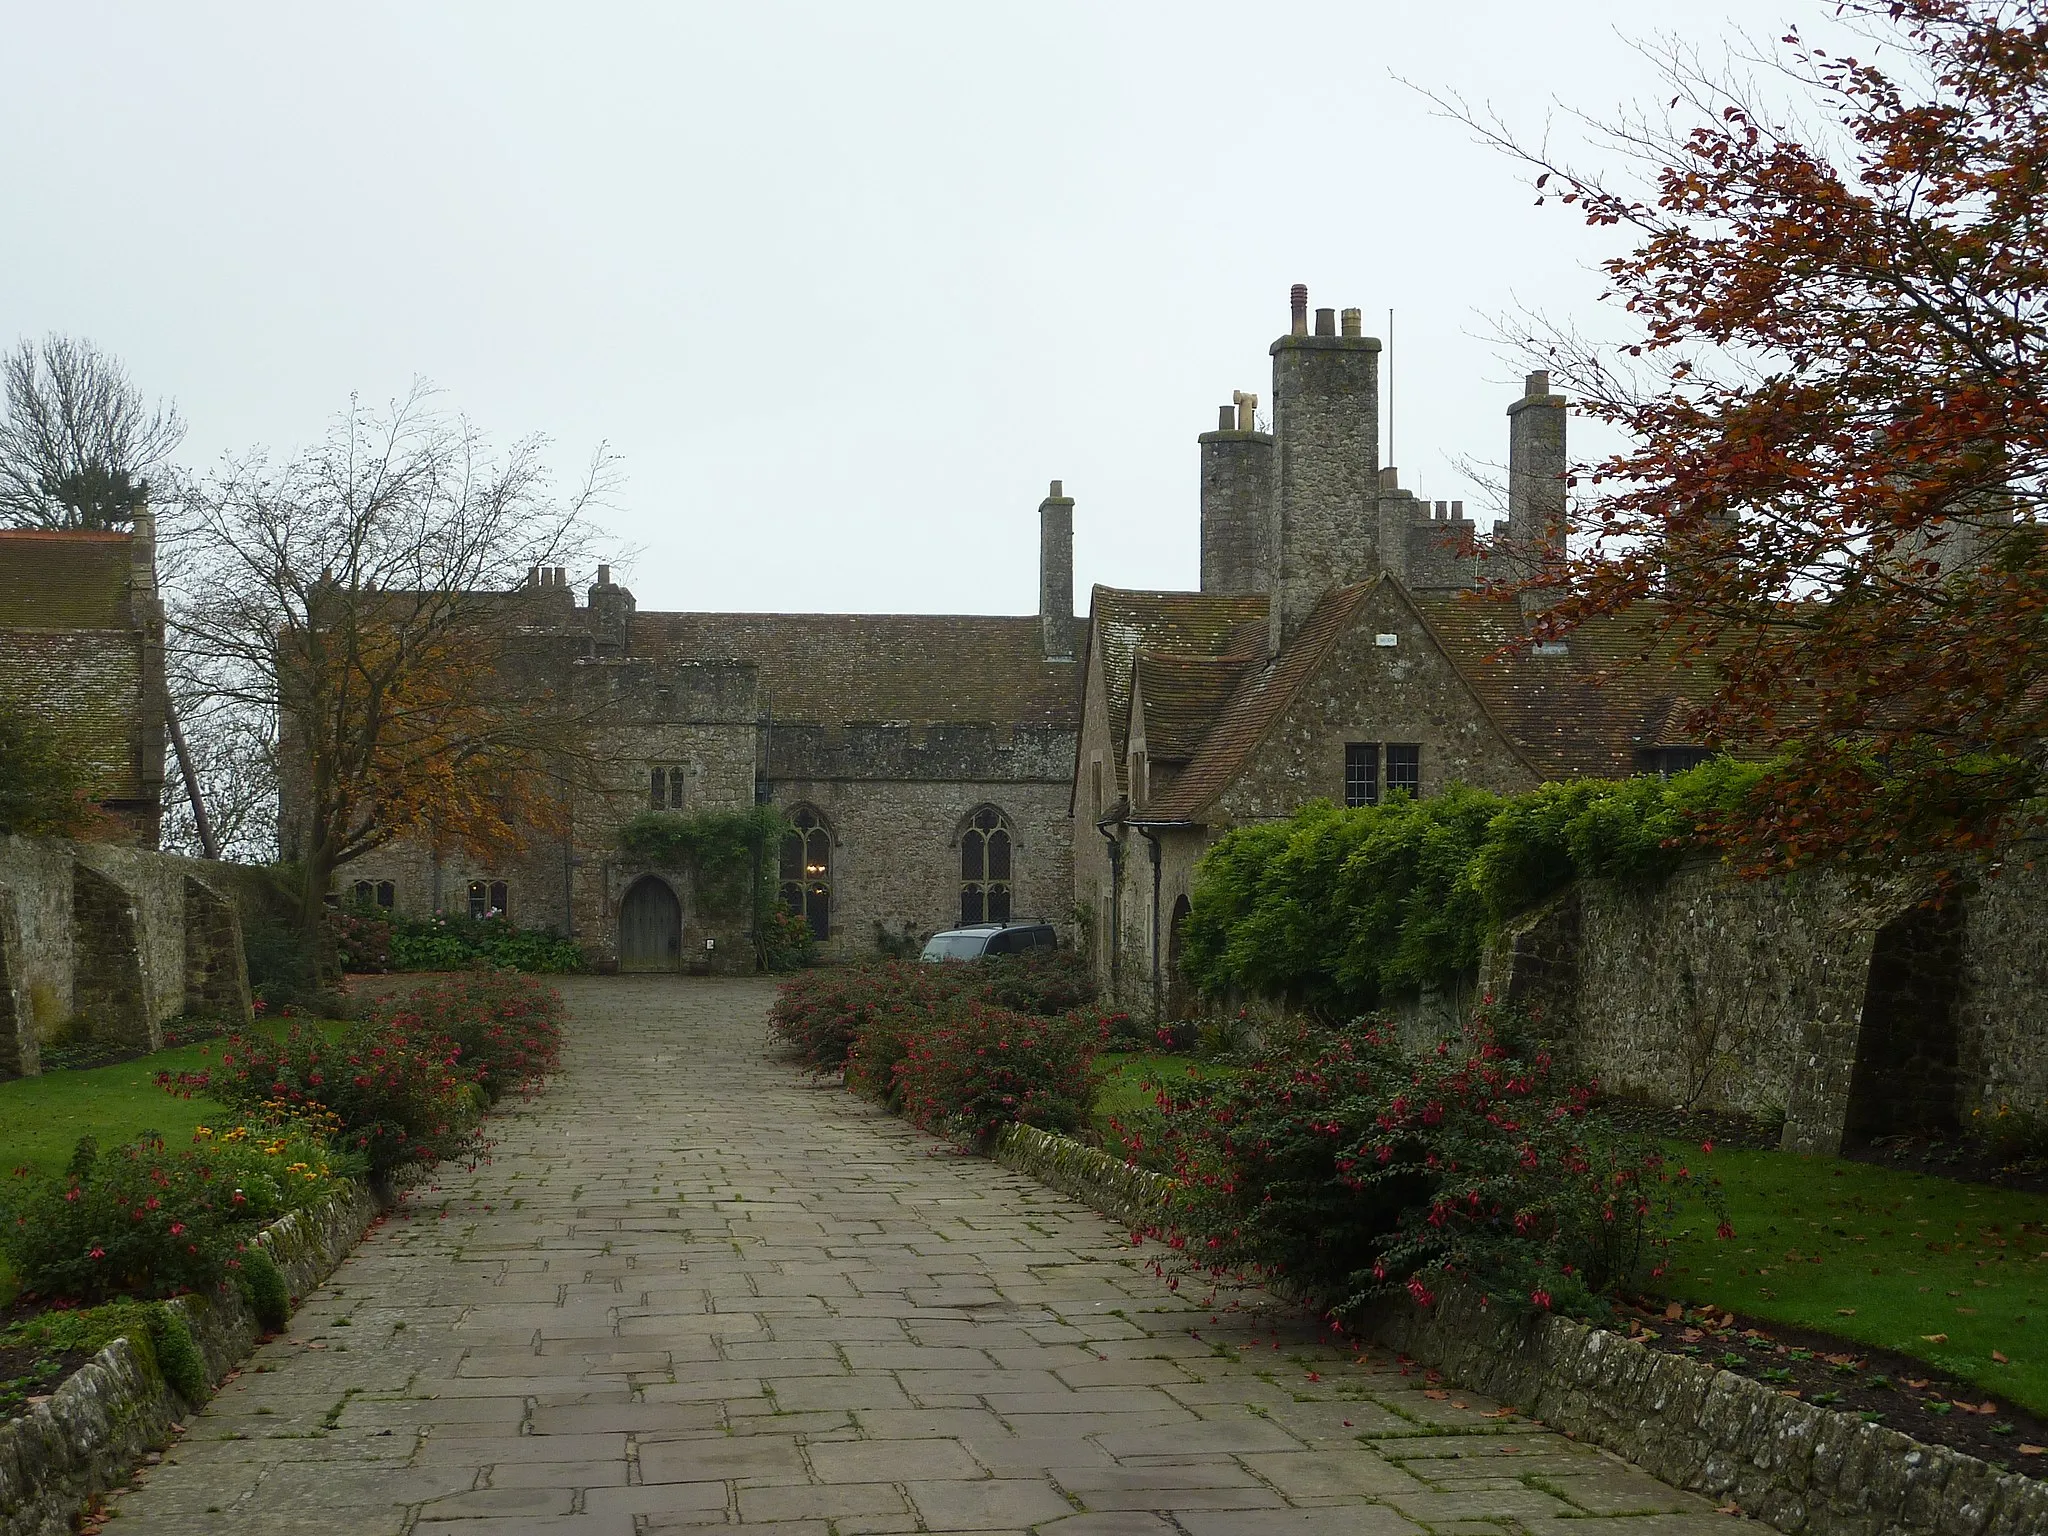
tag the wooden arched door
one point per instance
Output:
(650, 927)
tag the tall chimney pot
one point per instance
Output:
(1353, 323)
(1297, 305)
(1326, 322)
(1226, 418)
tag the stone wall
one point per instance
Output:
(1368, 692)
(1847, 1011)
(896, 851)
(88, 1435)
(120, 938)
(2000, 1056)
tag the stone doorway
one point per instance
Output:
(650, 927)
(1903, 1082)
(1180, 998)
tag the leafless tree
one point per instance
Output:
(349, 618)
(77, 442)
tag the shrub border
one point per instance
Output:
(107, 1415)
(1791, 1464)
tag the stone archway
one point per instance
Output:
(650, 927)
(1903, 1082)
(1180, 996)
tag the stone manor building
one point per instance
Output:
(952, 769)
(1336, 650)
(927, 762)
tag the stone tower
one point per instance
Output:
(1326, 450)
(1237, 501)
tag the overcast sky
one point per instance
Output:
(844, 286)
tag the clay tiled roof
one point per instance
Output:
(1189, 624)
(914, 668)
(1587, 711)
(1183, 696)
(1261, 696)
(68, 579)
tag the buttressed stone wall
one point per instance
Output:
(1848, 1012)
(114, 940)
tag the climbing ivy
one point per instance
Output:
(724, 850)
(1334, 907)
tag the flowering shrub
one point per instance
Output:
(362, 939)
(146, 1220)
(977, 1068)
(508, 1028)
(1352, 1168)
(1044, 981)
(818, 1015)
(397, 1097)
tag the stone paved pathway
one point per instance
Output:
(692, 1289)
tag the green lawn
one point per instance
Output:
(1128, 1080)
(42, 1118)
(1942, 1271)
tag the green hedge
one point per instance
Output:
(1335, 908)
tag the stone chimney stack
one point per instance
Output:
(1056, 574)
(1237, 500)
(1326, 449)
(611, 614)
(1536, 471)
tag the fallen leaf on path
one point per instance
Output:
(1456, 1404)
(1499, 1413)
(1674, 1312)
(1935, 1338)
(1434, 1392)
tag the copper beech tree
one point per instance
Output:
(364, 596)
(1831, 395)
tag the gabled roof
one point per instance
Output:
(1585, 711)
(1260, 697)
(1185, 624)
(1184, 694)
(65, 579)
(919, 669)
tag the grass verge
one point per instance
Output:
(1950, 1273)
(42, 1118)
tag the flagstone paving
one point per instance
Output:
(692, 1288)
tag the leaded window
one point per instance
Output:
(1361, 773)
(807, 870)
(1404, 768)
(985, 868)
(489, 898)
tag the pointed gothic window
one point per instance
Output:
(985, 867)
(806, 874)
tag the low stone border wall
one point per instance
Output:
(1796, 1466)
(1094, 1177)
(112, 1411)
